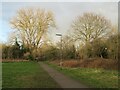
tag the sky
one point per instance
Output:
(64, 12)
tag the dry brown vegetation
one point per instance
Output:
(14, 60)
(90, 63)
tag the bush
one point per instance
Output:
(90, 63)
(71, 63)
(12, 51)
(28, 56)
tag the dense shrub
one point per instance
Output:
(90, 63)
(15, 51)
(50, 53)
(113, 46)
(103, 48)
(71, 63)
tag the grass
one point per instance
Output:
(94, 78)
(25, 75)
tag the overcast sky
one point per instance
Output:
(64, 13)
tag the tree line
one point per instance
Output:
(90, 35)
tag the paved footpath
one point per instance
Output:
(61, 79)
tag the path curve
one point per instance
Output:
(61, 79)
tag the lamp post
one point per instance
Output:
(60, 35)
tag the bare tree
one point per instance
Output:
(32, 24)
(90, 26)
(67, 46)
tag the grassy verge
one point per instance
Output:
(95, 78)
(25, 75)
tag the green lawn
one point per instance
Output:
(95, 78)
(26, 75)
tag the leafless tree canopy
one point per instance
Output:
(90, 26)
(32, 24)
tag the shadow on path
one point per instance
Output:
(61, 79)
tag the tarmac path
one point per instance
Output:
(61, 79)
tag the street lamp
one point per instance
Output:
(60, 35)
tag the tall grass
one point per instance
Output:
(90, 63)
